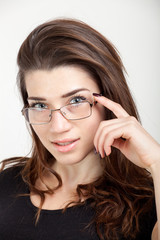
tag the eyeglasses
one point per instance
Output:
(72, 111)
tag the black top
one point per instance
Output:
(17, 216)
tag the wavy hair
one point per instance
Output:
(124, 191)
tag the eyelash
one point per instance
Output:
(33, 105)
(78, 97)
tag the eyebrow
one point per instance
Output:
(63, 96)
(36, 98)
(74, 91)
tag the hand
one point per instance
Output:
(138, 146)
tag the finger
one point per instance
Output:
(108, 135)
(116, 108)
(120, 128)
(104, 139)
(104, 128)
(113, 139)
(124, 131)
(117, 143)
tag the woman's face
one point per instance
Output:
(69, 141)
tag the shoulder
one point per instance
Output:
(11, 180)
(10, 172)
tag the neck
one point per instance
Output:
(83, 172)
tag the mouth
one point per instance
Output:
(65, 145)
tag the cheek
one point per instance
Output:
(40, 131)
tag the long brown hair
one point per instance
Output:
(124, 191)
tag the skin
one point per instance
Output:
(139, 147)
(70, 165)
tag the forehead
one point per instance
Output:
(58, 81)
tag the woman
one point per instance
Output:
(93, 171)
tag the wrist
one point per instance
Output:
(154, 169)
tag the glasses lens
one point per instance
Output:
(37, 115)
(79, 107)
(77, 110)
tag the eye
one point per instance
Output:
(38, 105)
(77, 99)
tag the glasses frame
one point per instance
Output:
(58, 109)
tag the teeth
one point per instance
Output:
(64, 144)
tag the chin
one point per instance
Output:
(70, 158)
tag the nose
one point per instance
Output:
(59, 123)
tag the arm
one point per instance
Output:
(139, 147)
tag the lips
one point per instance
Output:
(65, 145)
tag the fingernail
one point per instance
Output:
(95, 151)
(97, 94)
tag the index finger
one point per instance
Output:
(116, 108)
